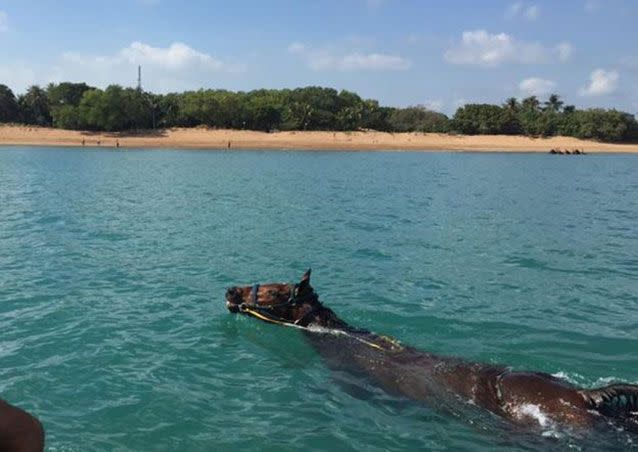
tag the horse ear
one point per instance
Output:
(305, 280)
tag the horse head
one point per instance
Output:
(281, 303)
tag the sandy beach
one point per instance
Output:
(203, 138)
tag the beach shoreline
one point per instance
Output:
(204, 138)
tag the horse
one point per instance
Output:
(19, 431)
(527, 399)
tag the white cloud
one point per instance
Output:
(564, 51)
(536, 86)
(177, 67)
(4, 22)
(514, 10)
(460, 102)
(17, 76)
(296, 48)
(479, 47)
(520, 9)
(434, 105)
(601, 82)
(327, 59)
(176, 57)
(372, 61)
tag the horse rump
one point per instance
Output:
(616, 401)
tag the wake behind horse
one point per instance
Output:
(523, 398)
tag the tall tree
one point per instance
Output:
(109, 110)
(66, 117)
(481, 119)
(554, 103)
(375, 117)
(66, 93)
(64, 101)
(418, 119)
(34, 107)
(531, 103)
(511, 104)
(265, 113)
(9, 110)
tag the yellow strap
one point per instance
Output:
(263, 317)
(370, 344)
(267, 319)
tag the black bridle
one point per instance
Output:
(291, 301)
(265, 312)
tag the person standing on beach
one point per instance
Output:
(228, 144)
(117, 143)
(83, 142)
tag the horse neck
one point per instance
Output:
(326, 318)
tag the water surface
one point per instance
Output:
(113, 267)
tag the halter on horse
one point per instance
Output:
(297, 296)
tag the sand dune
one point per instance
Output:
(202, 138)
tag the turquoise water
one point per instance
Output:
(113, 268)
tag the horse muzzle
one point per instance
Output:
(233, 300)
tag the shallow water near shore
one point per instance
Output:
(114, 264)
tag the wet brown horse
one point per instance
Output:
(19, 431)
(524, 398)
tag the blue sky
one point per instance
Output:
(402, 52)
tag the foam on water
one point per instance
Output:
(580, 380)
(530, 410)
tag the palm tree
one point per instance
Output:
(554, 103)
(34, 105)
(511, 104)
(530, 103)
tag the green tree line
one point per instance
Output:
(532, 118)
(79, 106)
